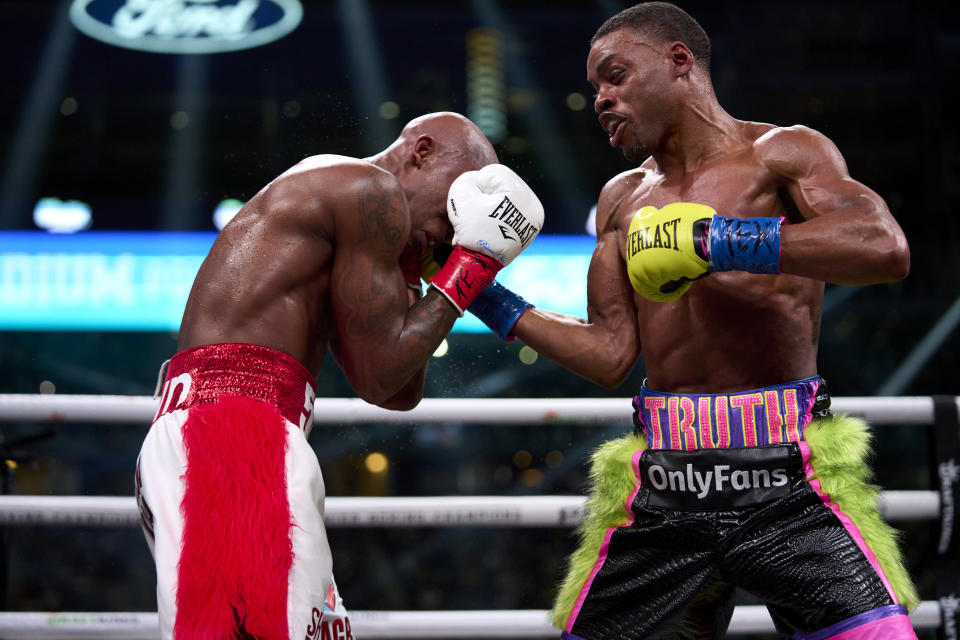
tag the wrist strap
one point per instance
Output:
(745, 244)
(464, 275)
(499, 308)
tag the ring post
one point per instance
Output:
(946, 472)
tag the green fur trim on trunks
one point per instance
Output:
(839, 450)
(612, 480)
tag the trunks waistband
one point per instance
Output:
(756, 417)
(204, 374)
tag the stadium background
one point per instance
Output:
(153, 142)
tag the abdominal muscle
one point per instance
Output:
(731, 332)
(282, 322)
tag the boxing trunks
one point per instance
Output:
(231, 500)
(762, 490)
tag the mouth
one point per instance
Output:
(613, 124)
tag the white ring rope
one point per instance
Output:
(425, 511)
(514, 623)
(141, 409)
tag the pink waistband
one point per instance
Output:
(204, 374)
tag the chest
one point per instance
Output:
(732, 189)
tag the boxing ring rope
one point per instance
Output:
(368, 625)
(433, 511)
(426, 511)
(141, 409)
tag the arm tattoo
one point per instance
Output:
(372, 302)
(363, 290)
(425, 318)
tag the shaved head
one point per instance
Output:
(430, 153)
(458, 141)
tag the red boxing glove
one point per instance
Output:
(464, 275)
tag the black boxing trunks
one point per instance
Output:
(762, 490)
(231, 500)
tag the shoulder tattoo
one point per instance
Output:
(383, 211)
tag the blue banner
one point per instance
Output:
(139, 281)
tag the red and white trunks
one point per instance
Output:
(231, 500)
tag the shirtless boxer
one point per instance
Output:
(711, 260)
(230, 492)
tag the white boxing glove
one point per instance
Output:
(493, 211)
(495, 216)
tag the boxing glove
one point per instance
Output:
(495, 216)
(496, 306)
(668, 248)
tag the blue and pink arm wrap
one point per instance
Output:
(499, 308)
(745, 244)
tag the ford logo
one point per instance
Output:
(186, 26)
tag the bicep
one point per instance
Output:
(847, 235)
(603, 348)
(827, 192)
(816, 176)
(610, 297)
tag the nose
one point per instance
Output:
(603, 101)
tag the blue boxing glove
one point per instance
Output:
(499, 308)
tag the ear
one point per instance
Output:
(422, 148)
(681, 57)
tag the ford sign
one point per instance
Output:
(186, 26)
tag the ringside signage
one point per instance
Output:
(186, 26)
(139, 281)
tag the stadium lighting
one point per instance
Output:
(57, 216)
